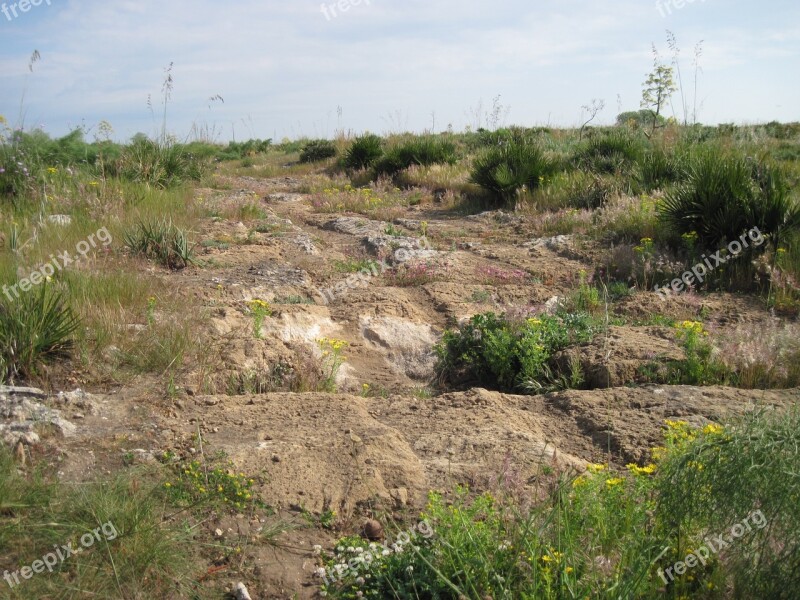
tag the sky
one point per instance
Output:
(303, 68)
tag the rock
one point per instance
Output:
(24, 411)
(241, 593)
(408, 346)
(615, 359)
(142, 457)
(218, 533)
(400, 497)
(19, 453)
(372, 530)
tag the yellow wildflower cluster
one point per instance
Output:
(332, 344)
(257, 305)
(691, 327)
(637, 470)
(196, 483)
(614, 482)
(596, 468)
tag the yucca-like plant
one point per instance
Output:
(162, 241)
(34, 328)
(506, 170)
(658, 168)
(161, 165)
(363, 152)
(727, 195)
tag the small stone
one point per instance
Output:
(373, 530)
(276, 458)
(218, 533)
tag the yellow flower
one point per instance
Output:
(534, 322)
(52, 170)
(167, 485)
(595, 468)
(781, 250)
(546, 558)
(93, 183)
(637, 470)
(615, 481)
(568, 570)
(713, 429)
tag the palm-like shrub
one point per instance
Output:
(363, 152)
(423, 151)
(727, 195)
(613, 152)
(506, 170)
(317, 150)
(659, 168)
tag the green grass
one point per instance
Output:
(142, 551)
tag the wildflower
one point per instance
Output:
(595, 468)
(93, 183)
(614, 481)
(168, 485)
(52, 170)
(568, 570)
(317, 549)
(713, 429)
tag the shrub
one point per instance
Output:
(727, 195)
(509, 355)
(511, 168)
(34, 328)
(161, 165)
(240, 150)
(614, 152)
(161, 241)
(317, 150)
(639, 118)
(658, 168)
(422, 151)
(363, 152)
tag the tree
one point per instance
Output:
(592, 109)
(657, 88)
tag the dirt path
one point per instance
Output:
(373, 450)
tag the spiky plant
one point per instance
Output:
(506, 170)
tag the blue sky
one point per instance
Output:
(284, 69)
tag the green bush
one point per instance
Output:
(423, 151)
(161, 165)
(317, 150)
(506, 170)
(500, 353)
(162, 241)
(657, 169)
(240, 150)
(639, 118)
(35, 328)
(363, 152)
(616, 151)
(726, 195)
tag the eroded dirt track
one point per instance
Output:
(383, 442)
